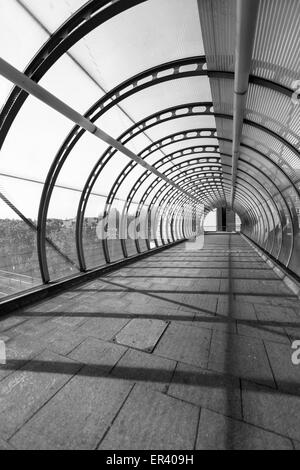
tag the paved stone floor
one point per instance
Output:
(181, 350)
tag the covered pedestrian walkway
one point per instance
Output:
(124, 125)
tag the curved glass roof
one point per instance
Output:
(158, 77)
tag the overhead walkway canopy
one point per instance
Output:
(197, 103)
(123, 125)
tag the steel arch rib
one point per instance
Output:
(51, 181)
(45, 197)
(76, 134)
(62, 40)
(154, 121)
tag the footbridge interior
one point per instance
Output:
(123, 323)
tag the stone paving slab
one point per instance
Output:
(185, 344)
(263, 330)
(251, 273)
(254, 286)
(241, 356)
(152, 420)
(63, 340)
(103, 327)
(19, 350)
(77, 417)
(218, 432)
(287, 300)
(285, 317)
(287, 375)
(36, 327)
(207, 389)
(272, 410)
(100, 356)
(235, 309)
(25, 391)
(141, 333)
(153, 371)
(215, 322)
(8, 322)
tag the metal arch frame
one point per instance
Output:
(283, 216)
(171, 138)
(120, 179)
(271, 215)
(255, 211)
(142, 179)
(291, 210)
(182, 198)
(125, 137)
(146, 174)
(209, 190)
(76, 134)
(266, 200)
(271, 197)
(172, 110)
(196, 133)
(276, 205)
(177, 203)
(160, 192)
(187, 177)
(129, 166)
(128, 202)
(179, 157)
(270, 203)
(162, 189)
(223, 139)
(136, 186)
(191, 183)
(104, 104)
(176, 168)
(63, 35)
(252, 218)
(83, 21)
(157, 119)
(170, 158)
(183, 106)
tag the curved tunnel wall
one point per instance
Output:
(195, 155)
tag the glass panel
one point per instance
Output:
(92, 233)
(61, 224)
(19, 269)
(16, 45)
(133, 32)
(52, 17)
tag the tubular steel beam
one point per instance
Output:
(116, 96)
(186, 135)
(168, 114)
(150, 121)
(175, 69)
(18, 78)
(246, 14)
(91, 15)
(158, 164)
